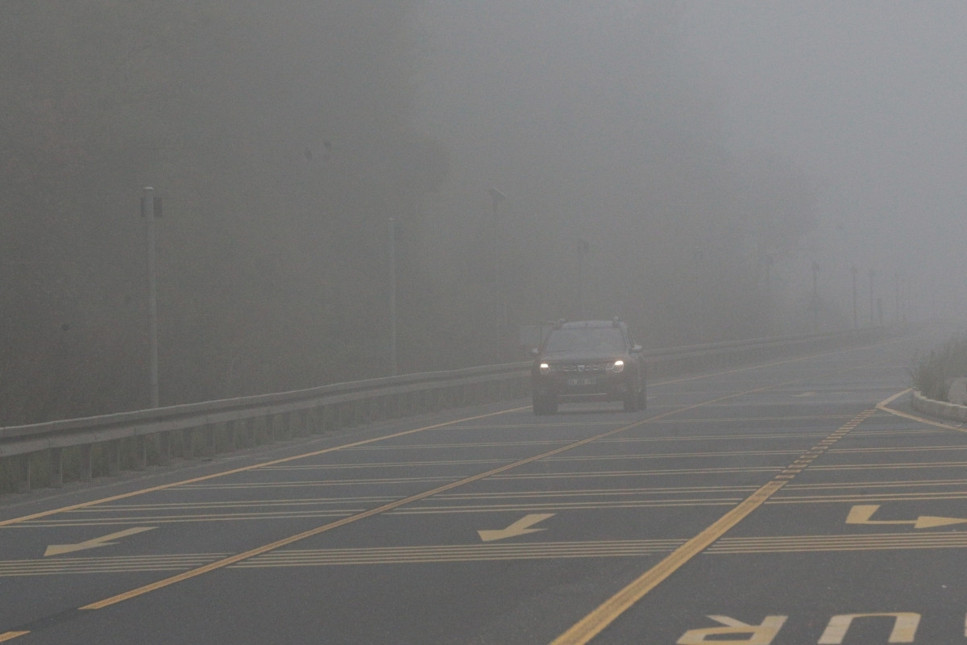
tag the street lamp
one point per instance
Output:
(872, 316)
(394, 367)
(896, 298)
(854, 271)
(815, 296)
(151, 210)
(583, 248)
(496, 198)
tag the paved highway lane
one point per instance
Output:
(772, 504)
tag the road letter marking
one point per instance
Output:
(757, 634)
(904, 629)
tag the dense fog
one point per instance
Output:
(705, 170)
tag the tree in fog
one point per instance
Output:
(279, 142)
(622, 196)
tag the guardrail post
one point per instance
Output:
(140, 453)
(297, 423)
(312, 421)
(356, 413)
(113, 457)
(258, 430)
(188, 443)
(211, 440)
(232, 429)
(20, 468)
(342, 419)
(86, 473)
(164, 448)
(56, 467)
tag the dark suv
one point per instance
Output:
(588, 360)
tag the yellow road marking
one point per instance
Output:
(105, 500)
(95, 543)
(884, 406)
(195, 480)
(522, 526)
(493, 552)
(240, 557)
(9, 636)
(821, 543)
(595, 622)
(106, 564)
(863, 514)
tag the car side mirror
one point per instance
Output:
(535, 351)
(637, 349)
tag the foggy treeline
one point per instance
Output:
(282, 136)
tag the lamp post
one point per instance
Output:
(496, 198)
(392, 297)
(872, 315)
(150, 210)
(583, 248)
(815, 296)
(896, 298)
(854, 271)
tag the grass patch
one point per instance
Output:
(931, 373)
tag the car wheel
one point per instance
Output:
(538, 405)
(546, 404)
(551, 404)
(643, 398)
(631, 400)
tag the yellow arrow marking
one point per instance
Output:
(60, 549)
(862, 514)
(520, 527)
(9, 636)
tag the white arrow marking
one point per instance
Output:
(60, 549)
(520, 527)
(861, 515)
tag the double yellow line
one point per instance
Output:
(246, 555)
(595, 622)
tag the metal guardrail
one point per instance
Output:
(45, 454)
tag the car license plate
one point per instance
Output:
(581, 382)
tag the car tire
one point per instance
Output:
(643, 398)
(631, 399)
(546, 404)
(538, 405)
(552, 404)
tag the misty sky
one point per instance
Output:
(870, 98)
(867, 98)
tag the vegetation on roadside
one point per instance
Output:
(931, 372)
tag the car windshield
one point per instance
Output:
(599, 339)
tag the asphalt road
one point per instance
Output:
(795, 502)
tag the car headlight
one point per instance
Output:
(618, 367)
(544, 368)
